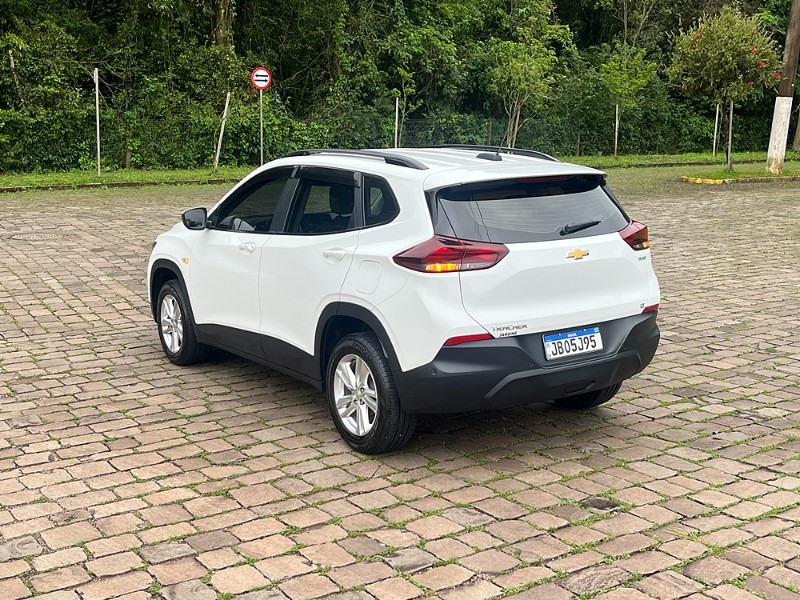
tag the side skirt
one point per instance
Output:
(265, 350)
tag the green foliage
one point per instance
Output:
(626, 74)
(727, 56)
(540, 73)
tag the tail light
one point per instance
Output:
(445, 254)
(636, 236)
(651, 308)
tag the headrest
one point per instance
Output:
(341, 199)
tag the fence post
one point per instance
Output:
(222, 131)
(97, 114)
(396, 121)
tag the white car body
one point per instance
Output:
(270, 295)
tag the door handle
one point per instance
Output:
(334, 254)
(247, 247)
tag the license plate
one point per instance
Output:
(569, 343)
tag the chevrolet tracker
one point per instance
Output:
(411, 281)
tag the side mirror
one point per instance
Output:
(195, 218)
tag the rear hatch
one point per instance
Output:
(567, 267)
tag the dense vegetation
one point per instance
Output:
(464, 71)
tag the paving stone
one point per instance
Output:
(284, 567)
(70, 535)
(273, 594)
(683, 549)
(357, 574)
(776, 548)
(164, 552)
(362, 546)
(763, 586)
(66, 577)
(70, 595)
(308, 586)
(448, 548)
(623, 594)
(433, 527)
(713, 570)
(748, 558)
(550, 591)
(188, 590)
(394, 589)
(118, 585)
(112, 545)
(645, 563)
(410, 560)
(177, 571)
(467, 517)
(13, 589)
(266, 547)
(236, 580)
(594, 579)
(440, 578)
(13, 568)
(489, 562)
(730, 592)
(523, 577)
(19, 548)
(211, 541)
(667, 585)
(543, 547)
(114, 564)
(264, 594)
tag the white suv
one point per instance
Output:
(411, 281)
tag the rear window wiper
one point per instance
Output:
(575, 227)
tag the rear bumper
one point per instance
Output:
(511, 371)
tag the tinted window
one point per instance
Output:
(380, 205)
(528, 210)
(322, 207)
(254, 206)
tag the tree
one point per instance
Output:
(522, 76)
(726, 58)
(522, 69)
(223, 23)
(626, 74)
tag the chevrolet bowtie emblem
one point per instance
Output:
(577, 254)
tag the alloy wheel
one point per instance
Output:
(171, 323)
(355, 395)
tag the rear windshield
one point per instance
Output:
(536, 209)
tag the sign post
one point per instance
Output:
(261, 79)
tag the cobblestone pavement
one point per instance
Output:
(122, 475)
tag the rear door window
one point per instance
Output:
(535, 209)
(324, 202)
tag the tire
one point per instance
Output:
(372, 420)
(589, 399)
(176, 327)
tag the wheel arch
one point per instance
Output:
(163, 270)
(339, 319)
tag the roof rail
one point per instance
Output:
(501, 150)
(387, 156)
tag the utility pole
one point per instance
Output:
(783, 102)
